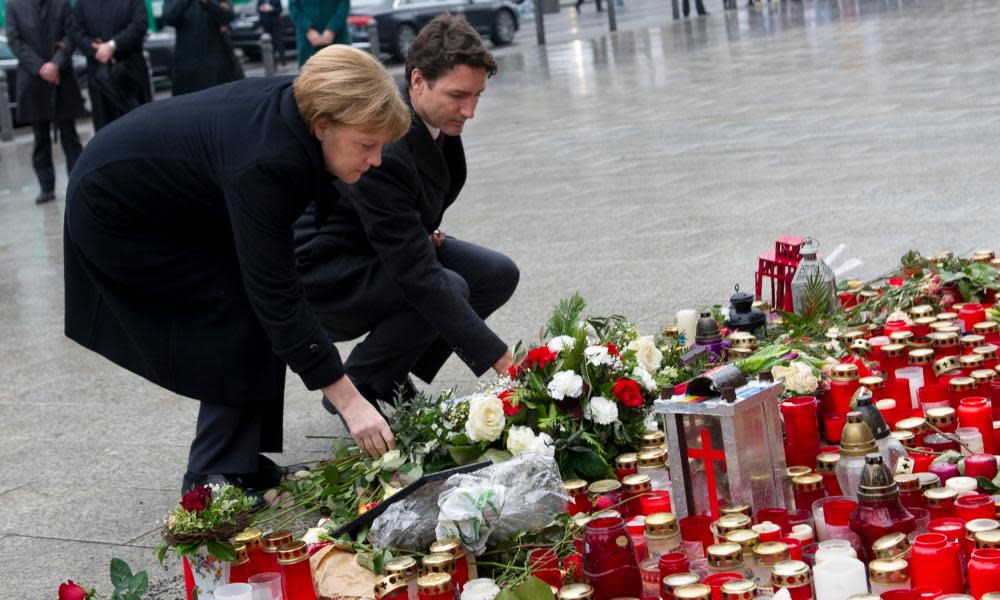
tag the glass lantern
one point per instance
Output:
(811, 272)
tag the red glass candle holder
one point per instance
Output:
(794, 547)
(984, 572)
(981, 465)
(977, 412)
(671, 563)
(544, 564)
(933, 395)
(970, 314)
(952, 528)
(935, 561)
(892, 357)
(900, 595)
(801, 431)
(975, 506)
(841, 392)
(656, 501)
(696, 534)
(609, 561)
(928, 592)
(921, 460)
(768, 531)
(715, 581)
(239, 571)
(995, 398)
(296, 574)
(833, 425)
(778, 516)
(894, 326)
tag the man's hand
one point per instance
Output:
(266, 8)
(438, 238)
(368, 428)
(503, 365)
(103, 52)
(49, 72)
(328, 37)
(314, 38)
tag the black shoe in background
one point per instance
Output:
(45, 197)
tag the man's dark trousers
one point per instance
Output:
(41, 154)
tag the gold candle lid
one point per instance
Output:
(873, 382)
(438, 563)
(695, 591)
(652, 459)
(893, 350)
(743, 339)
(790, 574)
(906, 438)
(748, 539)
(946, 364)
(988, 539)
(576, 591)
(908, 482)
(734, 509)
(404, 566)
(795, 471)
(251, 537)
(826, 462)
(628, 460)
(971, 361)
(850, 336)
(436, 583)
(739, 589)
(982, 376)
(923, 356)
(769, 553)
(451, 546)
(912, 424)
(276, 539)
(948, 328)
(574, 486)
(947, 316)
(928, 481)
(242, 556)
(943, 339)
(921, 310)
(293, 552)
(987, 351)
(733, 522)
(844, 372)
(979, 526)
(661, 524)
(389, 583)
(971, 341)
(987, 595)
(901, 337)
(637, 484)
(939, 497)
(671, 331)
(893, 545)
(962, 384)
(941, 416)
(680, 580)
(856, 439)
(653, 439)
(741, 352)
(725, 555)
(889, 570)
(604, 486)
(924, 321)
(812, 482)
(607, 514)
(985, 327)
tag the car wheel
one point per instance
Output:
(404, 37)
(504, 28)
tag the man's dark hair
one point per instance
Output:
(442, 44)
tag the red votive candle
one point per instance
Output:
(579, 501)
(461, 572)
(625, 465)
(984, 572)
(801, 431)
(544, 564)
(670, 564)
(656, 501)
(826, 466)
(844, 381)
(970, 314)
(959, 388)
(808, 489)
(635, 487)
(253, 539)
(296, 574)
(977, 412)
(928, 592)
(768, 531)
(696, 534)
(715, 581)
(833, 425)
(795, 577)
(921, 460)
(941, 503)
(610, 566)
(778, 516)
(981, 465)
(975, 506)
(794, 547)
(272, 542)
(935, 561)
(239, 569)
(432, 586)
(900, 595)
(894, 326)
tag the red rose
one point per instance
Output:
(613, 350)
(573, 565)
(71, 591)
(197, 499)
(509, 408)
(539, 358)
(628, 393)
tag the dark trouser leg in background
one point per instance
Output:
(229, 439)
(41, 156)
(70, 142)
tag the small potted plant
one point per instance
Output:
(199, 529)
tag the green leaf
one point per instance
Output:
(222, 550)
(565, 316)
(587, 463)
(533, 589)
(464, 455)
(496, 455)
(506, 595)
(117, 595)
(161, 551)
(331, 475)
(365, 560)
(139, 584)
(987, 486)
(120, 574)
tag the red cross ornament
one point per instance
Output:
(709, 455)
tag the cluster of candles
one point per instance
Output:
(448, 571)
(269, 561)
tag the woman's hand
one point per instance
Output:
(503, 365)
(368, 428)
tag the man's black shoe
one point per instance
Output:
(45, 197)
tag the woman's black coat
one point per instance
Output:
(179, 260)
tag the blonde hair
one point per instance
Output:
(350, 87)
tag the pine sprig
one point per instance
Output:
(565, 316)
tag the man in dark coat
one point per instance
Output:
(319, 23)
(110, 35)
(270, 21)
(380, 265)
(47, 90)
(203, 54)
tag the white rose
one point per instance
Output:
(520, 440)
(645, 379)
(486, 419)
(601, 411)
(565, 384)
(646, 352)
(801, 380)
(315, 535)
(480, 589)
(560, 343)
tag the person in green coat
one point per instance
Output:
(318, 24)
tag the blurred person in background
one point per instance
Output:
(203, 54)
(318, 24)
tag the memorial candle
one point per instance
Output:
(936, 561)
(795, 577)
(296, 574)
(976, 412)
(272, 542)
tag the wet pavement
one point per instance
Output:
(646, 169)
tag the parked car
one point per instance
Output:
(398, 21)
(245, 31)
(160, 45)
(8, 62)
